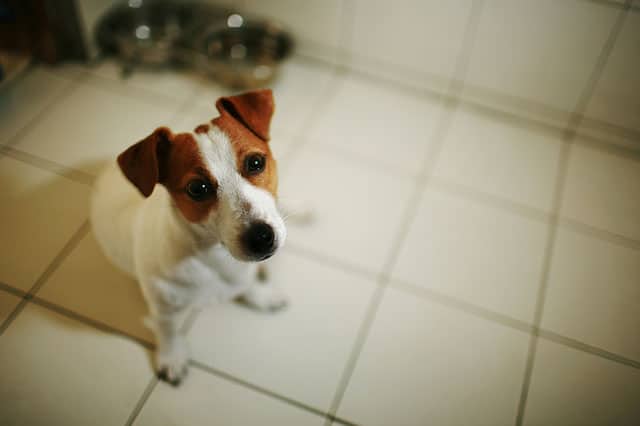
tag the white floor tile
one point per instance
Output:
(423, 36)
(572, 388)
(616, 98)
(593, 294)
(358, 210)
(25, 98)
(177, 84)
(299, 352)
(378, 124)
(425, 364)
(8, 302)
(40, 212)
(56, 371)
(479, 254)
(501, 158)
(86, 283)
(204, 399)
(92, 125)
(603, 190)
(513, 56)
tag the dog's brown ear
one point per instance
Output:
(252, 109)
(144, 162)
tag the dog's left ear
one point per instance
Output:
(144, 163)
(253, 110)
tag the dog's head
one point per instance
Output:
(221, 177)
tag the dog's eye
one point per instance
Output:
(200, 190)
(254, 164)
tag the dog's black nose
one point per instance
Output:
(259, 240)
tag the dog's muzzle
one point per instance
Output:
(259, 241)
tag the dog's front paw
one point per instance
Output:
(172, 363)
(266, 298)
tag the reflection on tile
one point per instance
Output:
(86, 283)
(501, 158)
(593, 294)
(25, 98)
(572, 388)
(206, 399)
(176, 84)
(512, 56)
(357, 209)
(40, 212)
(425, 364)
(56, 371)
(603, 190)
(378, 124)
(299, 352)
(91, 125)
(479, 254)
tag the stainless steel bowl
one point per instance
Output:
(153, 32)
(242, 52)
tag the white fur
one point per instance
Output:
(181, 265)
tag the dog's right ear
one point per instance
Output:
(144, 163)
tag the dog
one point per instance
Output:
(191, 215)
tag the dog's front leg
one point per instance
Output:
(262, 294)
(168, 313)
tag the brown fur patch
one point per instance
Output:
(172, 160)
(203, 128)
(185, 164)
(244, 143)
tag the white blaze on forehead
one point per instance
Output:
(219, 156)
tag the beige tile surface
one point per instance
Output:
(40, 213)
(299, 352)
(378, 124)
(205, 399)
(425, 364)
(93, 124)
(477, 253)
(8, 302)
(514, 57)
(502, 158)
(174, 84)
(593, 294)
(86, 283)
(421, 36)
(616, 98)
(357, 209)
(25, 98)
(56, 371)
(603, 190)
(573, 388)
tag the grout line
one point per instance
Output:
(331, 261)
(584, 347)
(53, 265)
(90, 322)
(601, 234)
(569, 135)
(12, 290)
(143, 399)
(230, 378)
(453, 188)
(67, 90)
(448, 110)
(67, 172)
(461, 305)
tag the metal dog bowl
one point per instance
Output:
(152, 32)
(243, 52)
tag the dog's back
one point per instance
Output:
(115, 205)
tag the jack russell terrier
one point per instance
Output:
(199, 233)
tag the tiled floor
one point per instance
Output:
(464, 268)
